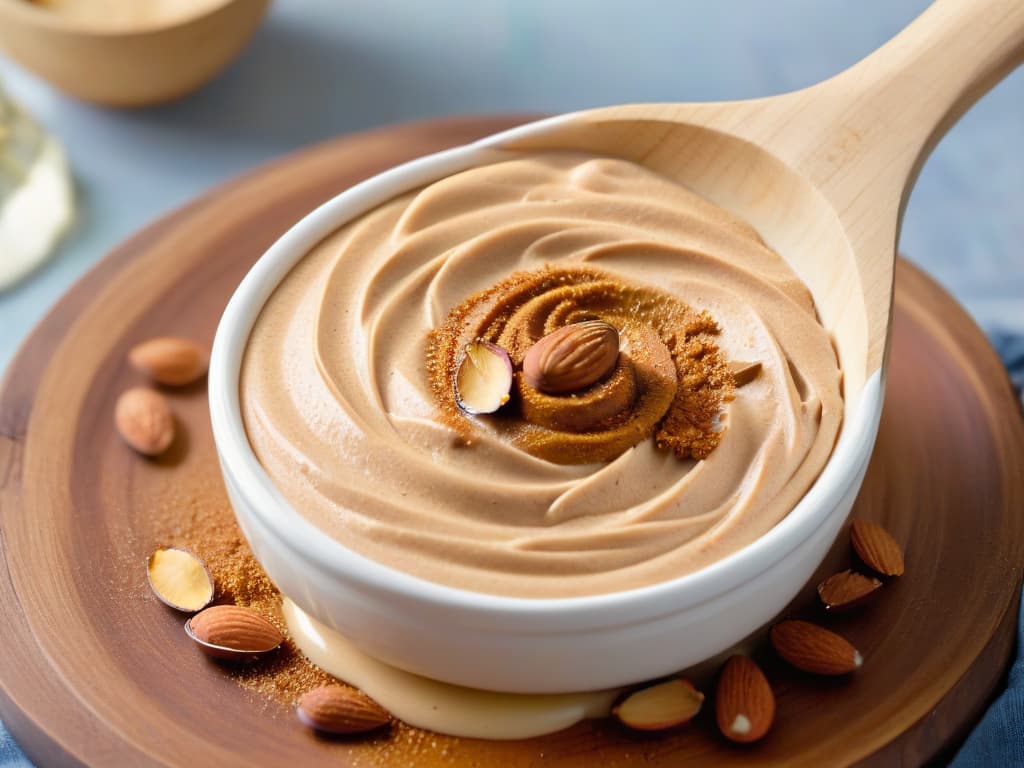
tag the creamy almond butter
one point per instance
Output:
(340, 397)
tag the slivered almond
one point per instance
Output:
(341, 710)
(814, 649)
(877, 548)
(743, 373)
(845, 589)
(744, 702)
(660, 706)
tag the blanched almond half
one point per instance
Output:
(180, 579)
(661, 706)
(484, 378)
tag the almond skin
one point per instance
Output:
(341, 710)
(846, 589)
(232, 632)
(572, 358)
(814, 649)
(659, 707)
(744, 702)
(169, 360)
(144, 420)
(877, 548)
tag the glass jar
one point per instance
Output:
(36, 193)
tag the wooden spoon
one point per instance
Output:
(824, 173)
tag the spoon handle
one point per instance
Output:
(886, 113)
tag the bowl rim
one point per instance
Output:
(246, 475)
(36, 14)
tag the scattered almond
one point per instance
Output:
(744, 373)
(233, 633)
(744, 702)
(144, 420)
(572, 358)
(661, 706)
(169, 360)
(877, 548)
(814, 649)
(341, 710)
(845, 589)
(180, 579)
(484, 378)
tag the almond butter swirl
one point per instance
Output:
(722, 407)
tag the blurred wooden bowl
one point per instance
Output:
(132, 66)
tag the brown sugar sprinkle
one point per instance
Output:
(670, 383)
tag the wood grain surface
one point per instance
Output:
(95, 671)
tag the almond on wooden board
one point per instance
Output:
(660, 706)
(180, 579)
(845, 589)
(744, 702)
(876, 547)
(233, 633)
(814, 649)
(169, 360)
(144, 420)
(572, 357)
(341, 710)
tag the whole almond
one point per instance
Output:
(814, 649)
(337, 709)
(144, 420)
(845, 589)
(232, 632)
(572, 358)
(744, 702)
(877, 548)
(169, 360)
(661, 706)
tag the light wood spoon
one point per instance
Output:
(824, 173)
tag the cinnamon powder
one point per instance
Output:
(194, 513)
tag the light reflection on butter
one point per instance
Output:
(438, 706)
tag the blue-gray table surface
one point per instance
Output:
(320, 68)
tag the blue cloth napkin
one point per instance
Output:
(997, 741)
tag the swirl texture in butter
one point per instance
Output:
(340, 410)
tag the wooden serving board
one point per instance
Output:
(95, 671)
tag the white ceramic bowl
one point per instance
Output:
(517, 644)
